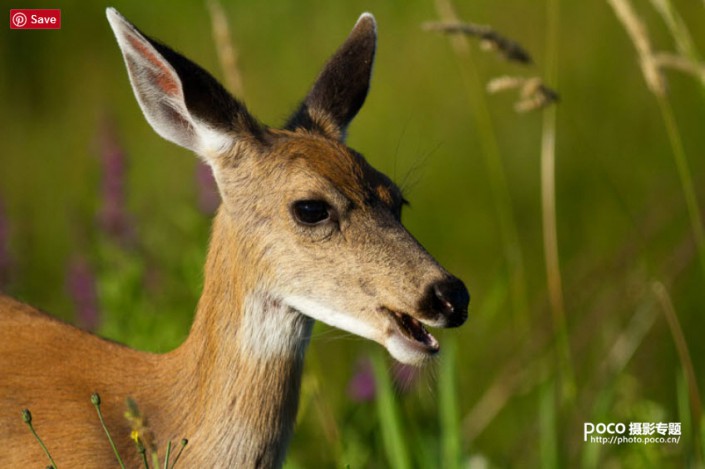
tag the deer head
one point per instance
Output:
(314, 228)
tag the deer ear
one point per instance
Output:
(341, 88)
(182, 102)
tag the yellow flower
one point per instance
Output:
(135, 435)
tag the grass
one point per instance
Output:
(656, 84)
(393, 438)
(694, 402)
(685, 176)
(132, 415)
(449, 408)
(559, 246)
(513, 254)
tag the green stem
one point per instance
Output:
(184, 442)
(681, 35)
(27, 417)
(144, 459)
(548, 212)
(142, 451)
(166, 456)
(448, 406)
(685, 176)
(686, 361)
(495, 168)
(95, 399)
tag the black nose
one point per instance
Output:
(451, 299)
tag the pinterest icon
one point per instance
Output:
(18, 19)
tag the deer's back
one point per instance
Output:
(52, 368)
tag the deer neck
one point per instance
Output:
(241, 365)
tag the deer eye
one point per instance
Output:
(311, 212)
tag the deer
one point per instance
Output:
(307, 230)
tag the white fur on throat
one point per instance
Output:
(271, 329)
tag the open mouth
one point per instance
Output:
(413, 331)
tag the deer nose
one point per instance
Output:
(451, 299)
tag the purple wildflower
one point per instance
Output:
(80, 284)
(208, 196)
(362, 386)
(113, 217)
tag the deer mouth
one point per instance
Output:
(414, 332)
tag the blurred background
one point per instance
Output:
(105, 224)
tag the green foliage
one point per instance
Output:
(395, 445)
(449, 410)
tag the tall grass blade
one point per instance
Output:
(227, 54)
(548, 212)
(612, 368)
(655, 82)
(686, 179)
(695, 404)
(448, 405)
(548, 431)
(590, 454)
(155, 460)
(685, 414)
(513, 254)
(388, 414)
(702, 435)
(167, 455)
(636, 30)
(679, 30)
